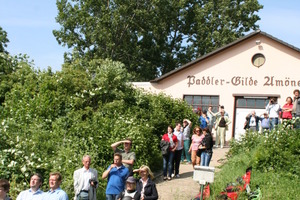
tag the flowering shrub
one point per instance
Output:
(50, 120)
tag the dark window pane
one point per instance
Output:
(215, 101)
(260, 103)
(188, 99)
(205, 100)
(197, 100)
(251, 103)
(241, 103)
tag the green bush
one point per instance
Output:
(50, 120)
(275, 160)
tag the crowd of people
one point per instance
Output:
(121, 184)
(274, 114)
(178, 145)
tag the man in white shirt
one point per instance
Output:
(85, 181)
(273, 110)
(34, 193)
(178, 151)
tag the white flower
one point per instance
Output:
(23, 169)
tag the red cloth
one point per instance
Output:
(166, 138)
(287, 115)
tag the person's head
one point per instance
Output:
(265, 115)
(222, 112)
(55, 180)
(253, 113)
(197, 130)
(130, 183)
(170, 129)
(178, 126)
(204, 113)
(289, 100)
(128, 144)
(296, 93)
(36, 181)
(146, 172)
(210, 108)
(205, 131)
(4, 188)
(86, 161)
(273, 100)
(118, 159)
(185, 123)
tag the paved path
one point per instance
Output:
(185, 187)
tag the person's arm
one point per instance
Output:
(190, 149)
(154, 194)
(131, 161)
(106, 172)
(182, 140)
(116, 144)
(189, 122)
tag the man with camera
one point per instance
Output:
(85, 181)
(273, 110)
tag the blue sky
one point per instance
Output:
(29, 25)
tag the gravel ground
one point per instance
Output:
(184, 188)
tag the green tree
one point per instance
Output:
(3, 40)
(151, 37)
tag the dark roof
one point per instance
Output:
(223, 49)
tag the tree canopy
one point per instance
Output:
(151, 37)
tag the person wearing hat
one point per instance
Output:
(130, 192)
(265, 121)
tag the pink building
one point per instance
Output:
(241, 76)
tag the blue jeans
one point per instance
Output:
(112, 196)
(185, 152)
(205, 158)
(167, 163)
(83, 196)
(273, 122)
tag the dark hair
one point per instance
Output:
(38, 175)
(204, 112)
(119, 155)
(289, 98)
(222, 107)
(170, 126)
(205, 129)
(296, 91)
(5, 184)
(129, 140)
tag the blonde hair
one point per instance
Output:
(150, 174)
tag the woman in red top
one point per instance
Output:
(287, 109)
(168, 159)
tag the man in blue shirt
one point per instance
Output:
(116, 174)
(204, 120)
(34, 193)
(55, 192)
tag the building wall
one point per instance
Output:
(231, 72)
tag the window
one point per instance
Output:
(202, 102)
(258, 60)
(255, 103)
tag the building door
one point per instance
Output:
(243, 106)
